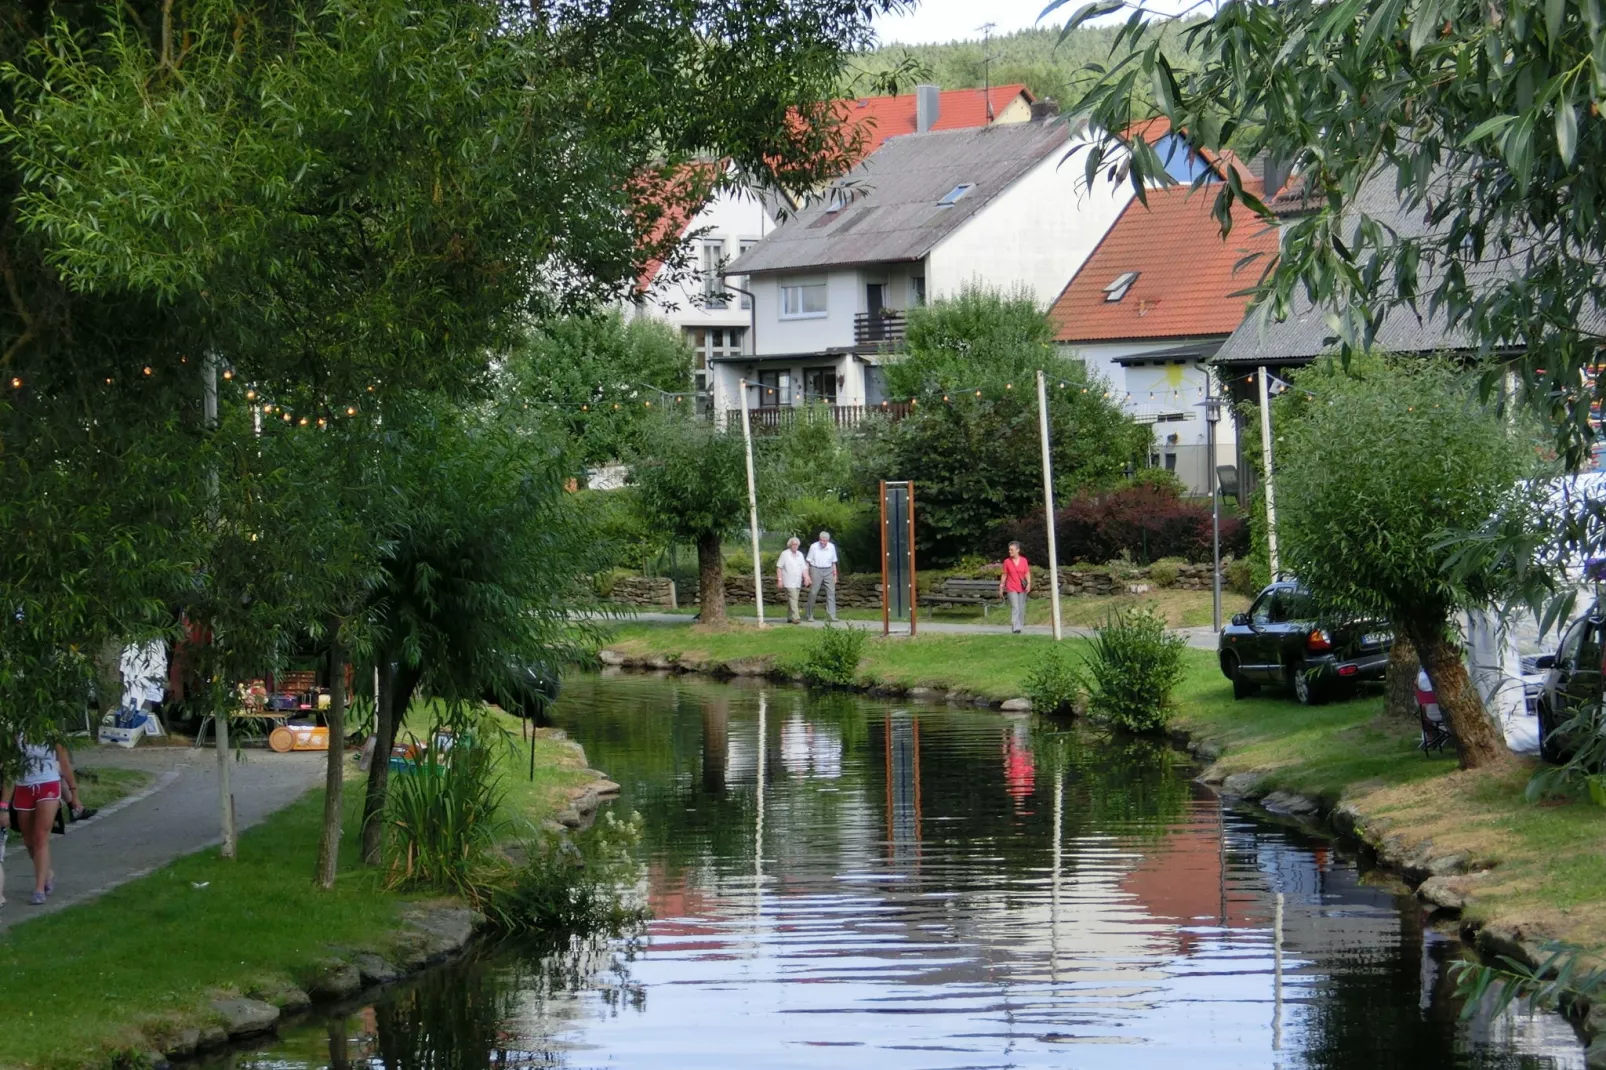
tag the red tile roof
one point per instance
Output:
(957, 109)
(1185, 282)
(665, 205)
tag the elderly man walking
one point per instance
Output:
(791, 573)
(822, 574)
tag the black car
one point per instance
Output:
(1281, 641)
(1572, 682)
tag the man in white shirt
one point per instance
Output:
(822, 573)
(791, 574)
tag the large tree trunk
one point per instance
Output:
(1399, 682)
(1478, 742)
(335, 770)
(396, 686)
(710, 579)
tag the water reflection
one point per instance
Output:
(841, 883)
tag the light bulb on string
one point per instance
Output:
(322, 422)
(945, 397)
(267, 408)
(228, 373)
(250, 395)
(351, 410)
(108, 380)
(286, 417)
(147, 369)
(585, 408)
(978, 393)
(303, 421)
(1009, 386)
(16, 382)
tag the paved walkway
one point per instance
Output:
(175, 815)
(1200, 638)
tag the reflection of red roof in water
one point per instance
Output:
(1181, 878)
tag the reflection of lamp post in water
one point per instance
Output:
(1054, 883)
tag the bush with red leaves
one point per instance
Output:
(1147, 522)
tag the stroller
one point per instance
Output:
(1435, 732)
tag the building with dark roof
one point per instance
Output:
(919, 219)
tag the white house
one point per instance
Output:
(917, 220)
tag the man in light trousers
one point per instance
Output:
(822, 574)
(1015, 583)
(791, 573)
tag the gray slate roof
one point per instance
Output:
(1306, 335)
(892, 213)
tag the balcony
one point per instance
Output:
(886, 327)
(768, 418)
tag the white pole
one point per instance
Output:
(1271, 496)
(1277, 972)
(752, 508)
(1212, 417)
(220, 717)
(1048, 504)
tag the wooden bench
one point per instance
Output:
(983, 593)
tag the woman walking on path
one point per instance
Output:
(34, 798)
(1016, 582)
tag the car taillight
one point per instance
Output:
(1318, 641)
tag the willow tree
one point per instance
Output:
(343, 201)
(1371, 527)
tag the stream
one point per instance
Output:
(839, 882)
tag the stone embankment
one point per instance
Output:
(1445, 882)
(428, 936)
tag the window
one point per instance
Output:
(747, 283)
(819, 384)
(774, 388)
(917, 291)
(953, 196)
(713, 259)
(1180, 162)
(708, 343)
(802, 300)
(1119, 286)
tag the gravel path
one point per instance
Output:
(175, 815)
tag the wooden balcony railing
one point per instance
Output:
(877, 328)
(774, 417)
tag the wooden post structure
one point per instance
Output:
(1048, 505)
(1265, 460)
(752, 508)
(886, 617)
(912, 587)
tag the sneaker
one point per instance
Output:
(50, 884)
(37, 899)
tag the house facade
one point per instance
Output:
(714, 312)
(1151, 306)
(919, 219)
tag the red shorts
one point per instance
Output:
(29, 796)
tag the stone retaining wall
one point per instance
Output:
(650, 592)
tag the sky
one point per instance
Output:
(936, 21)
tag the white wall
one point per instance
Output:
(729, 374)
(1034, 234)
(731, 217)
(844, 299)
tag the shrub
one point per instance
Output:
(1164, 573)
(1239, 577)
(607, 579)
(441, 815)
(832, 660)
(571, 883)
(852, 526)
(1142, 522)
(1132, 666)
(1052, 683)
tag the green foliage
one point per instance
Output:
(832, 659)
(1581, 733)
(441, 816)
(811, 458)
(1562, 978)
(1483, 127)
(621, 531)
(691, 480)
(853, 528)
(1053, 684)
(1370, 529)
(981, 338)
(1239, 577)
(1133, 663)
(578, 368)
(1164, 573)
(583, 882)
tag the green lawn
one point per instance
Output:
(1547, 862)
(106, 975)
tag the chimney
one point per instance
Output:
(927, 104)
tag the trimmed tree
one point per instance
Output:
(1367, 527)
(692, 483)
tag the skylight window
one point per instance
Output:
(838, 199)
(953, 196)
(1119, 286)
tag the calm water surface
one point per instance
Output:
(841, 883)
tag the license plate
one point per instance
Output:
(1377, 638)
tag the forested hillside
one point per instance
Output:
(1048, 66)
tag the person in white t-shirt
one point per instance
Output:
(36, 795)
(822, 574)
(791, 574)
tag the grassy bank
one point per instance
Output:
(107, 975)
(1541, 867)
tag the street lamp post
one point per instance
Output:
(1212, 408)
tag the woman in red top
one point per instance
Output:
(1016, 583)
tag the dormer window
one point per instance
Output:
(1119, 286)
(953, 196)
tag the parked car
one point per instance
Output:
(1572, 681)
(1281, 641)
